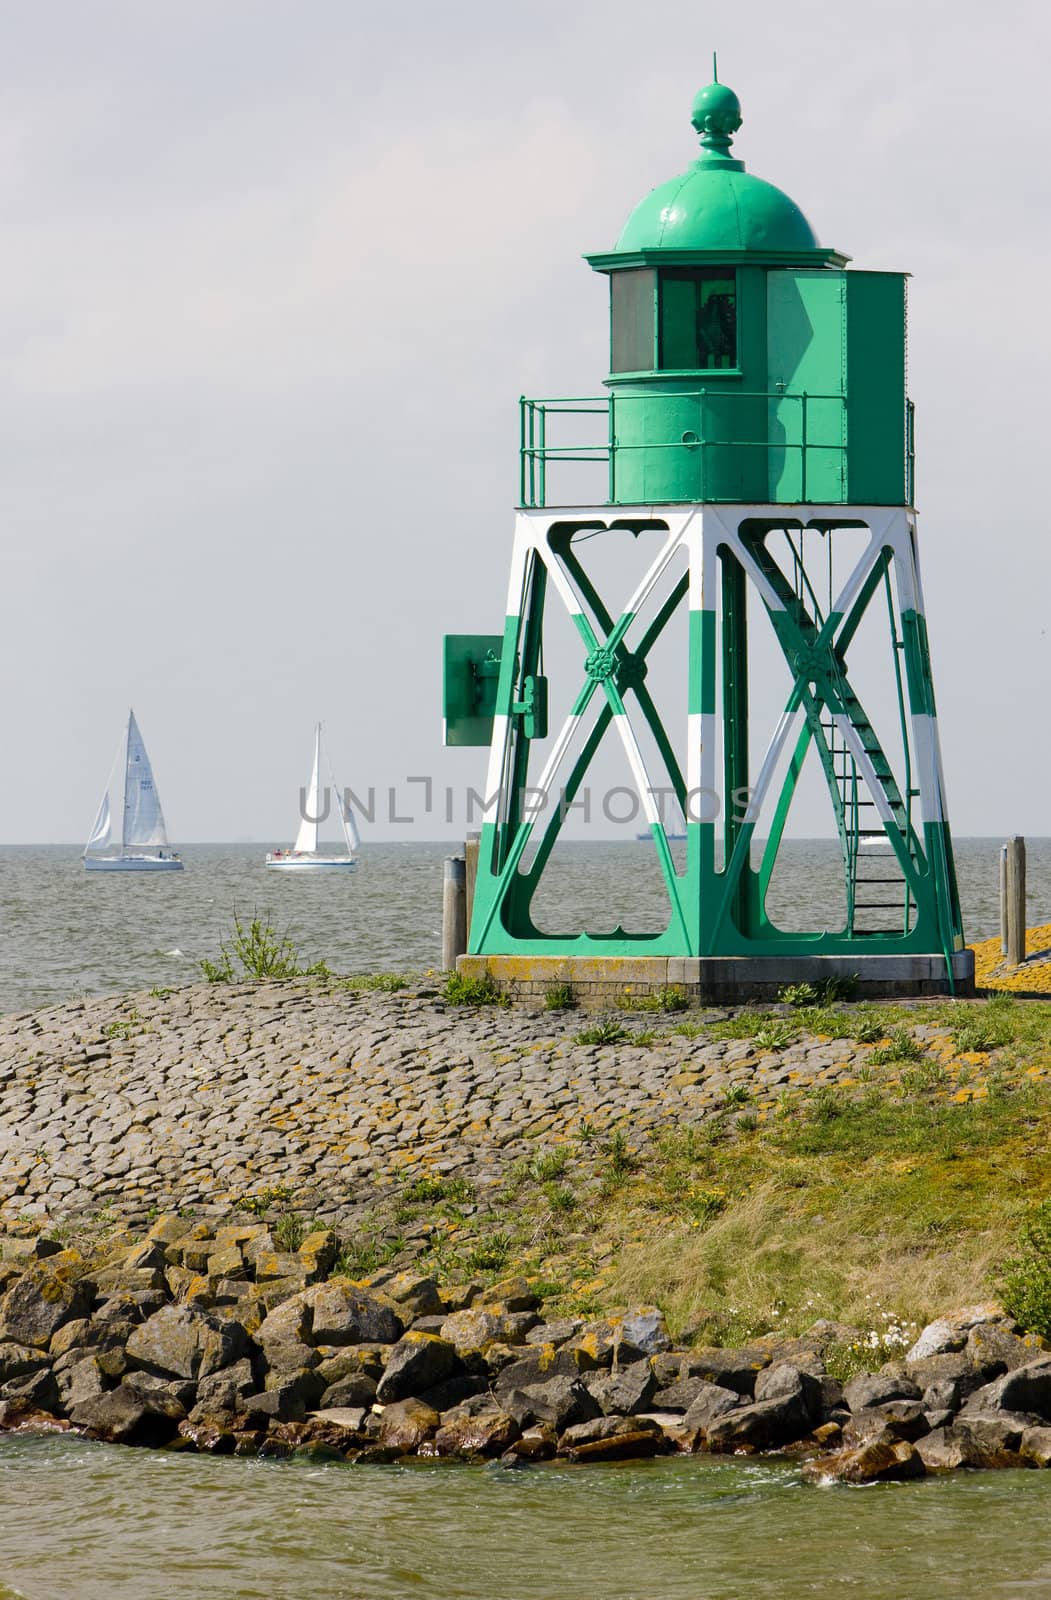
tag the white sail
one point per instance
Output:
(350, 826)
(306, 838)
(102, 832)
(143, 818)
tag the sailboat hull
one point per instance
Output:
(311, 863)
(132, 864)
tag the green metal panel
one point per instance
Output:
(807, 348)
(878, 442)
(471, 666)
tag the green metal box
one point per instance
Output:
(471, 670)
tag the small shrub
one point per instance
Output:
(602, 1033)
(843, 987)
(868, 1030)
(461, 991)
(560, 1197)
(256, 952)
(643, 1038)
(704, 1205)
(825, 1104)
(547, 1164)
(901, 1047)
(559, 997)
(618, 1155)
(431, 1191)
(669, 997)
(924, 1078)
(798, 994)
(488, 1253)
(747, 1122)
(1026, 1281)
(289, 1231)
(976, 1034)
(774, 1036)
(366, 1256)
(586, 1131)
(735, 1094)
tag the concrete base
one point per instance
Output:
(720, 980)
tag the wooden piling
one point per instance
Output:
(1014, 900)
(454, 911)
(470, 855)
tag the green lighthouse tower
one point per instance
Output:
(754, 447)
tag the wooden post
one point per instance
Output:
(454, 911)
(1003, 899)
(1014, 884)
(470, 854)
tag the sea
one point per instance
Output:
(66, 932)
(86, 1521)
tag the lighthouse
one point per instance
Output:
(753, 450)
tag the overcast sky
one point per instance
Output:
(272, 276)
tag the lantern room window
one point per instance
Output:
(697, 319)
(633, 305)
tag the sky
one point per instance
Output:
(273, 275)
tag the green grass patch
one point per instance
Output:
(483, 991)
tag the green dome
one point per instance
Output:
(711, 207)
(715, 205)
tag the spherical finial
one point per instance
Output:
(716, 116)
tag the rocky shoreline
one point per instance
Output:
(216, 1340)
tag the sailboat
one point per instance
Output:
(140, 839)
(304, 854)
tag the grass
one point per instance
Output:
(603, 1033)
(901, 1046)
(483, 991)
(559, 997)
(669, 997)
(380, 982)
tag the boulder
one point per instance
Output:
(625, 1392)
(902, 1419)
(711, 1402)
(289, 1323)
(488, 1433)
(938, 1338)
(643, 1330)
(407, 1424)
(38, 1303)
(787, 1382)
(179, 1342)
(514, 1294)
(342, 1314)
(877, 1461)
(474, 1329)
(414, 1295)
(455, 1391)
(417, 1362)
(945, 1450)
(226, 1388)
(288, 1357)
(943, 1395)
(39, 1389)
(994, 1437)
(1036, 1446)
(542, 1363)
(554, 1333)
(82, 1381)
(561, 1401)
(953, 1367)
(171, 1398)
(613, 1439)
(16, 1360)
(123, 1416)
(354, 1390)
(678, 1396)
(537, 1443)
(304, 1383)
(730, 1369)
(1023, 1389)
(992, 1348)
(873, 1389)
(761, 1425)
(341, 1363)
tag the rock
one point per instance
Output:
(541, 1364)
(730, 1369)
(83, 1381)
(16, 1360)
(877, 1461)
(406, 1424)
(944, 1395)
(761, 1425)
(123, 1416)
(643, 1329)
(538, 1443)
(625, 1392)
(180, 1342)
(996, 1436)
(417, 1362)
(342, 1314)
(711, 1402)
(303, 1383)
(473, 1329)
(1035, 1446)
(354, 1390)
(24, 1251)
(281, 1357)
(226, 1388)
(285, 1402)
(514, 1294)
(344, 1419)
(455, 1391)
(561, 1401)
(678, 1396)
(787, 1382)
(945, 1450)
(612, 1439)
(414, 1295)
(341, 1363)
(554, 1333)
(937, 1338)
(488, 1433)
(953, 1367)
(37, 1304)
(901, 1419)
(171, 1399)
(39, 1389)
(289, 1323)
(1023, 1389)
(993, 1348)
(873, 1389)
